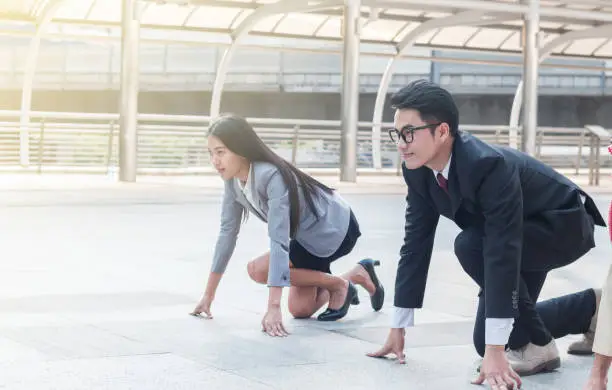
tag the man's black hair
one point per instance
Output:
(434, 103)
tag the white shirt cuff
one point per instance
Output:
(402, 318)
(497, 330)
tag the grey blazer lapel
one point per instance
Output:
(254, 193)
(256, 190)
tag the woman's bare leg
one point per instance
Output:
(305, 301)
(312, 289)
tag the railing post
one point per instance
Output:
(591, 158)
(597, 133)
(109, 153)
(41, 145)
(539, 144)
(597, 161)
(579, 157)
(296, 130)
(398, 172)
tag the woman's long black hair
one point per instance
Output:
(239, 137)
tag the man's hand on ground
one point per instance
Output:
(496, 370)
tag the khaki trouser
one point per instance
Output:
(603, 333)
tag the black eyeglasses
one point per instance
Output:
(407, 132)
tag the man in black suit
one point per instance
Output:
(519, 218)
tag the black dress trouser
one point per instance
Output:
(539, 322)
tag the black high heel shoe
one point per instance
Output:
(336, 314)
(378, 299)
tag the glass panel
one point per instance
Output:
(240, 18)
(74, 9)
(51, 58)
(606, 51)
(382, 30)
(6, 57)
(331, 28)
(301, 24)
(213, 17)
(255, 61)
(308, 63)
(406, 30)
(424, 39)
(584, 46)
(547, 38)
(453, 36)
(267, 24)
(152, 58)
(106, 10)
(20, 6)
(489, 38)
(87, 59)
(166, 14)
(183, 59)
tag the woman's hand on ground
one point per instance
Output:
(203, 307)
(272, 323)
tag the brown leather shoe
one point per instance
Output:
(584, 346)
(533, 359)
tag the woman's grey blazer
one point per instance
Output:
(320, 237)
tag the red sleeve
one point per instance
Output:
(610, 221)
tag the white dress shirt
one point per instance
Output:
(247, 190)
(497, 330)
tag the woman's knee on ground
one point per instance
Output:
(258, 271)
(301, 309)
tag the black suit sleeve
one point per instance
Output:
(501, 199)
(415, 253)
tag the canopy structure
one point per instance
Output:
(385, 22)
(534, 28)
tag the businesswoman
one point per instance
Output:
(309, 226)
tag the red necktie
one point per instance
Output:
(442, 182)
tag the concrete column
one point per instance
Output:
(128, 110)
(530, 76)
(349, 115)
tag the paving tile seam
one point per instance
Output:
(48, 359)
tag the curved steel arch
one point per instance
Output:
(470, 18)
(44, 18)
(243, 30)
(545, 51)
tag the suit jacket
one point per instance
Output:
(498, 190)
(321, 237)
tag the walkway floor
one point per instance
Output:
(98, 279)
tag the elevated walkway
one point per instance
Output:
(97, 284)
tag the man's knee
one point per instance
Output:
(464, 244)
(468, 249)
(257, 271)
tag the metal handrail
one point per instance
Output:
(177, 143)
